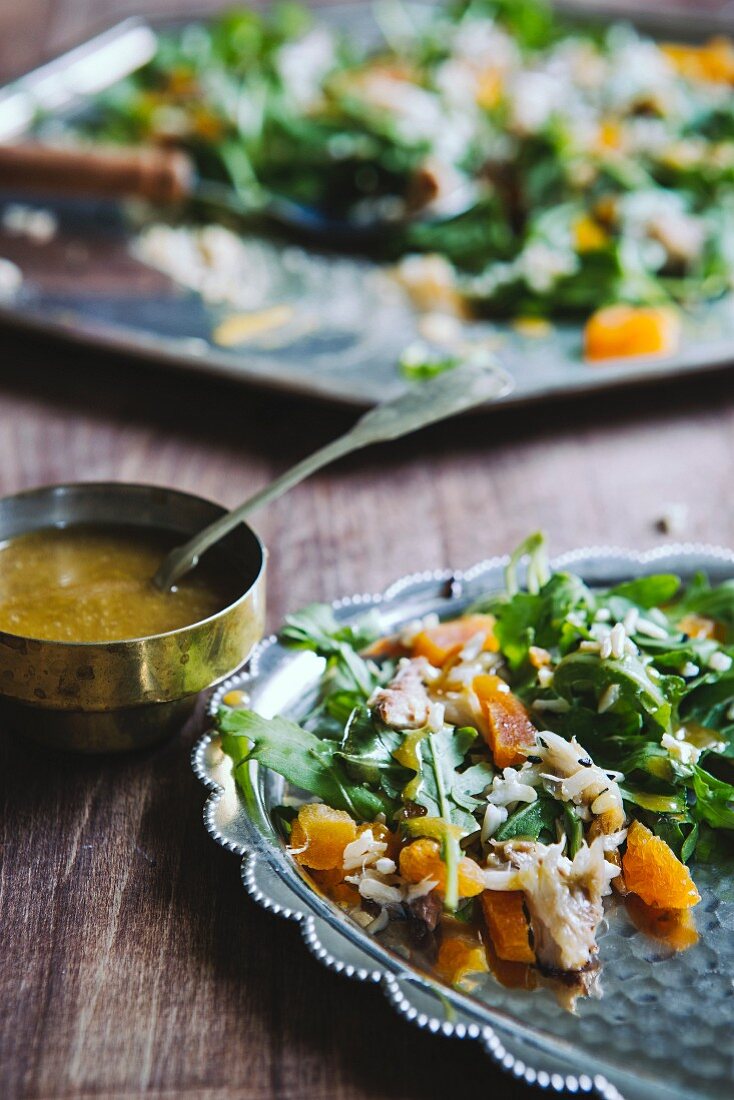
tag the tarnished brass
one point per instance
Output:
(116, 696)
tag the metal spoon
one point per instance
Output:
(454, 392)
(167, 177)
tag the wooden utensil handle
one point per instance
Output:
(158, 174)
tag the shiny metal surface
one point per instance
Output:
(662, 1029)
(114, 696)
(350, 320)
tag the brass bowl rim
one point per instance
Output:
(113, 486)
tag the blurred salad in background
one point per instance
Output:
(599, 164)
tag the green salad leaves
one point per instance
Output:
(641, 673)
(583, 189)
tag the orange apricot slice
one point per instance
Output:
(618, 331)
(589, 236)
(341, 893)
(458, 957)
(510, 974)
(439, 643)
(422, 859)
(653, 871)
(382, 834)
(319, 836)
(701, 626)
(508, 730)
(673, 927)
(507, 925)
(713, 62)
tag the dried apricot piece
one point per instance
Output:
(508, 729)
(330, 883)
(589, 236)
(383, 648)
(344, 894)
(510, 974)
(713, 62)
(609, 135)
(617, 331)
(328, 879)
(422, 859)
(701, 626)
(653, 871)
(458, 957)
(319, 836)
(673, 927)
(507, 924)
(438, 643)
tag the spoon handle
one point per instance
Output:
(184, 558)
(476, 381)
(160, 175)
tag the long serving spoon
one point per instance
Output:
(463, 388)
(167, 177)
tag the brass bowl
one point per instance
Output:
(117, 696)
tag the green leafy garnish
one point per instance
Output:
(651, 706)
(306, 761)
(530, 821)
(316, 627)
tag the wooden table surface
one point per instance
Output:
(131, 962)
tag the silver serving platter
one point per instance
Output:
(350, 320)
(662, 1029)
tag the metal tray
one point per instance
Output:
(662, 1029)
(350, 321)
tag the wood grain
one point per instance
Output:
(131, 962)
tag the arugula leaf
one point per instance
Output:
(472, 782)
(340, 704)
(710, 705)
(711, 845)
(647, 592)
(574, 829)
(530, 820)
(440, 755)
(316, 627)
(672, 655)
(651, 758)
(419, 362)
(306, 761)
(688, 847)
(347, 672)
(367, 751)
(656, 803)
(582, 674)
(537, 574)
(700, 598)
(516, 625)
(680, 834)
(714, 799)
(538, 619)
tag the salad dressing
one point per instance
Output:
(408, 756)
(88, 583)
